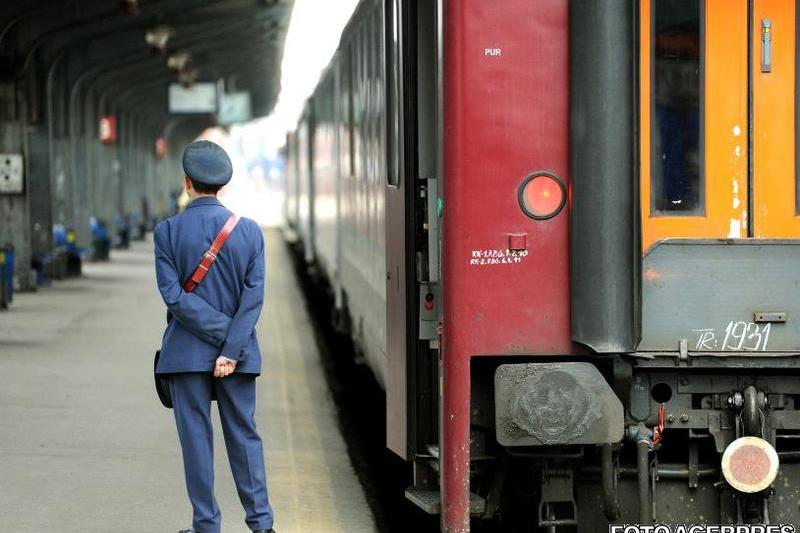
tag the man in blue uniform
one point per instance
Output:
(210, 350)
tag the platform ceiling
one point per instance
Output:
(101, 44)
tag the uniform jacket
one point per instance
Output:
(220, 316)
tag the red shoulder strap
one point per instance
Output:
(211, 255)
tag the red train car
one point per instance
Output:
(564, 234)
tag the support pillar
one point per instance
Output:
(14, 208)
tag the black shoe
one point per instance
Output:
(270, 530)
(190, 530)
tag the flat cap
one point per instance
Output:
(207, 163)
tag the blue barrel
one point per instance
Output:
(3, 295)
(8, 271)
(59, 235)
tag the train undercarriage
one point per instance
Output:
(703, 443)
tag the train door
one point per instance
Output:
(398, 180)
(718, 175)
(410, 298)
(774, 104)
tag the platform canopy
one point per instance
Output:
(127, 52)
(86, 111)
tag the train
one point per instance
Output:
(565, 236)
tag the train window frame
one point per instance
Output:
(725, 53)
(393, 78)
(701, 210)
(359, 102)
(350, 116)
(375, 75)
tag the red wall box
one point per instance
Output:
(107, 130)
(506, 117)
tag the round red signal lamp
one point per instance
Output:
(542, 195)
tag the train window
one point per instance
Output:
(393, 76)
(359, 124)
(349, 115)
(676, 113)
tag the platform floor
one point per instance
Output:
(86, 447)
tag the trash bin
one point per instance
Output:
(8, 271)
(101, 244)
(123, 236)
(74, 257)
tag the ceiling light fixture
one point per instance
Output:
(158, 37)
(178, 61)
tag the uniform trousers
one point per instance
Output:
(236, 399)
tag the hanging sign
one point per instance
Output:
(161, 148)
(233, 108)
(108, 129)
(200, 97)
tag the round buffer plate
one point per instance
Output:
(750, 464)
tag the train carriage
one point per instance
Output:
(566, 237)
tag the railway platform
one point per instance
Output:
(85, 446)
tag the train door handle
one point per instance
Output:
(766, 45)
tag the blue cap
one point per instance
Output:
(207, 163)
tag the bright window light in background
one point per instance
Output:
(313, 36)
